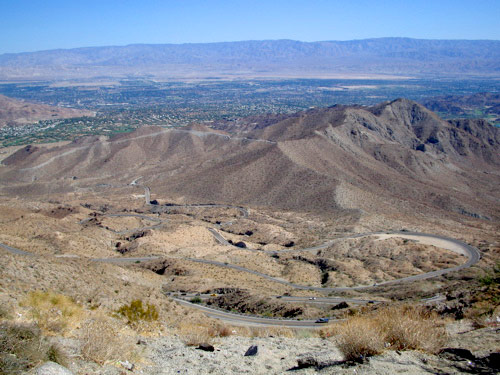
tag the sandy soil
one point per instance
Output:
(444, 244)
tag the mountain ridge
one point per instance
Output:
(397, 56)
(401, 158)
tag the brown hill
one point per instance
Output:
(395, 157)
(17, 112)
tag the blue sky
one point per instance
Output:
(49, 24)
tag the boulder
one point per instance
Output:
(457, 354)
(127, 365)
(341, 305)
(206, 347)
(319, 360)
(251, 351)
(52, 368)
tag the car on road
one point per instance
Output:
(312, 298)
(322, 320)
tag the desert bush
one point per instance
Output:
(101, 342)
(411, 327)
(223, 330)
(402, 327)
(359, 337)
(22, 347)
(4, 312)
(492, 277)
(53, 312)
(136, 314)
(485, 299)
(272, 331)
(193, 334)
(195, 299)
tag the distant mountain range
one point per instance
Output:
(383, 56)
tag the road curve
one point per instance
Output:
(471, 252)
(248, 320)
(455, 245)
(296, 299)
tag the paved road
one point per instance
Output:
(133, 230)
(13, 250)
(471, 252)
(326, 300)
(147, 197)
(225, 136)
(218, 237)
(161, 222)
(125, 260)
(247, 320)
(294, 299)
(473, 257)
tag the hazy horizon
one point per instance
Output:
(244, 41)
(27, 26)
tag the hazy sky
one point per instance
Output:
(48, 24)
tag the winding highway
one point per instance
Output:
(248, 320)
(457, 246)
(448, 243)
(126, 231)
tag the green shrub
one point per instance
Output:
(492, 277)
(486, 280)
(195, 299)
(135, 312)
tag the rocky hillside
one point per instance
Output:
(396, 156)
(460, 105)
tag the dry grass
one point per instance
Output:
(101, 341)
(223, 330)
(22, 347)
(412, 327)
(4, 312)
(53, 312)
(265, 332)
(360, 337)
(193, 334)
(399, 328)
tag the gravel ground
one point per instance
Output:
(275, 356)
(278, 355)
